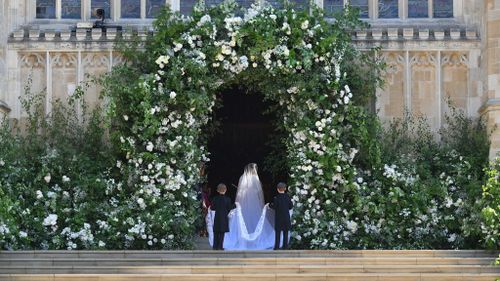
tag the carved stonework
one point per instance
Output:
(95, 60)
(32, 60)
(118, 59)
(395, 62)
(64, 60)
(423, 59)
(455, 59)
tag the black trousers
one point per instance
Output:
(277, 238)
(218, 240)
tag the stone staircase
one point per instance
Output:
(362, 265)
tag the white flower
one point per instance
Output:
(273, 17)
(173, 95)
(150, 243)
(125, 117)
(50, 220)
(47, 178)
(39, 194)
(204, 19)
(304, 25)
(101, 244)
(162, 61)
(177, 46)
(452, 238)
(141, 203)
(2, 163)
(163, 241)
(65, 179)
(149, 146)
(171, 236)
(23, 234)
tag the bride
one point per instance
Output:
(250, 225)
(250, 196)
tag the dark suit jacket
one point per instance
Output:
(221, 205)
(282, 204)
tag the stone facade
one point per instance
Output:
(432, 62)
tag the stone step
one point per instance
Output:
(243, 261)
(250, 277)
(246, 269)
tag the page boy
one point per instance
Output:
(221, 204)
(281, 204)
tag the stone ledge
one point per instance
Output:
(376, 34)
(416, 34)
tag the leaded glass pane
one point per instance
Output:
(418, 8)
(297, 4)
(362, 5)
(388, 9)
(131, 9)
(333, 6)
(101, 4)
(71, 9)
(45, 9)
(443, 8)
(153, 7)
(186, 6)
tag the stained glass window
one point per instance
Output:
(388, 9)
(362, 5)
(153, 7)
(443, 8)
(101, 4)
(71, 9)
(131, 9)
(45, 9)
(418, 8)
(333, 6)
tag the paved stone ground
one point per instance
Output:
(201, 243)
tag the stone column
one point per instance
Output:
(491, 110)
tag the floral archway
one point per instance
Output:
(295, 58)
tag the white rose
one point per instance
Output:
(65, 179)
(39, 194)
(23, 234)
(101, 244)
(304, 25)
(149, 146)
(125, 117)
(47, 178)
(173, 95)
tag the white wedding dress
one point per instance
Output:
(251, 224)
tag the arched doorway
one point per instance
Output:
(243, 137)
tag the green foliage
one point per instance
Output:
(422, 189)
(491, 206)
(52, 165)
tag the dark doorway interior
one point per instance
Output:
(242, 138)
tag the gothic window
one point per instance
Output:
(45, 9)
(362, 5)
(442, 8)
(71, 9)
(187, 6)
(418, 8)
(333, 6)
(153, 7)
(130, 9)
(101, 4)
(388, 9)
